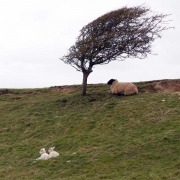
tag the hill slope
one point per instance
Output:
(100, 136)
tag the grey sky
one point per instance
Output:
(34, 34)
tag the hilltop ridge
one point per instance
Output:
(164, 85)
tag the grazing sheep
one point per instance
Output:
(122, 88)
(44, 155)
(52, 153)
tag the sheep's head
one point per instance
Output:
(42, 151)
(110, 81)
(51, 149)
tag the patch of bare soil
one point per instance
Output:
(66, 88)
(166, 85)
(5, 91)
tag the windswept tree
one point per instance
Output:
(117, 35)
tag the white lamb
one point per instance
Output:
(122, 88)
(52, 153)
(44, 155)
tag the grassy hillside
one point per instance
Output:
(100, 136)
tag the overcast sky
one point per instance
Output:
(34, 34)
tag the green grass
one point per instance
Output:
(99, 136)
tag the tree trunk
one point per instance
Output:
(85, 76)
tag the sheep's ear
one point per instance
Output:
(53, 147)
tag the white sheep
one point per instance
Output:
(122, 88)
(44, 155)
(52, 153)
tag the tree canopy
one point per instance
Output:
(117, 35)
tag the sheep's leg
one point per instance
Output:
(120, 94)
